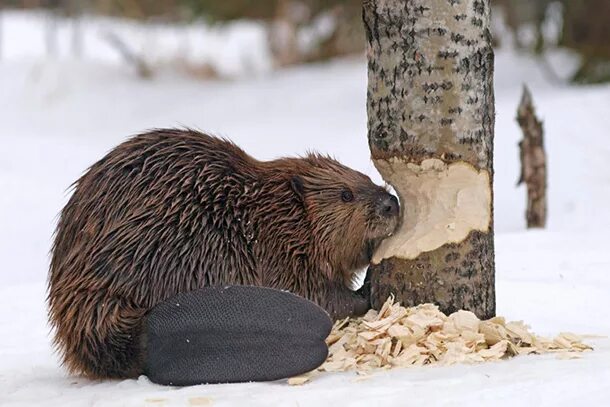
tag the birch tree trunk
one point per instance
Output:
(430, 106)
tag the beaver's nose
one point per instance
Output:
(388, 206)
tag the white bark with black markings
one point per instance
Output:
(430, 110)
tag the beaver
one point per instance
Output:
(171, 211)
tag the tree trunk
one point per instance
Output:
(1, 32)
(51, 29)
(283, 33)
(430, 107)
(533, 162)
(585, 29)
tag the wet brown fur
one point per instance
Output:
(171, 211)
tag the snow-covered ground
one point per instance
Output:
(58, 117)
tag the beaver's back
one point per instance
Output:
(162, 213)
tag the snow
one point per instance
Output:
(59, 116)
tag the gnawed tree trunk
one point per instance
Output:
(430, 110)
(533, 161)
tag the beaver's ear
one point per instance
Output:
(296, 183)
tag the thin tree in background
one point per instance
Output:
(52, 27)
(1, 32)
(74, 9)
(430, 107)
(585, 29)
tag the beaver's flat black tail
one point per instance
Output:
(234, 334)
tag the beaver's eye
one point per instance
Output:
(347, 196)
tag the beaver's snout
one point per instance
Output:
(387, 206)
(386, 210)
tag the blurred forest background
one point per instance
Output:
(301, 31)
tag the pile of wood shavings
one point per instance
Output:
(397, 336)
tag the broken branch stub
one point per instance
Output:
(430, 108)
(533, 161)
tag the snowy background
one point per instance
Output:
(59, 116)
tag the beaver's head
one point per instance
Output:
(349, 214)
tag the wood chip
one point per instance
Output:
(568, 355)
(200, 401)
(396, 336)
(298, 380)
